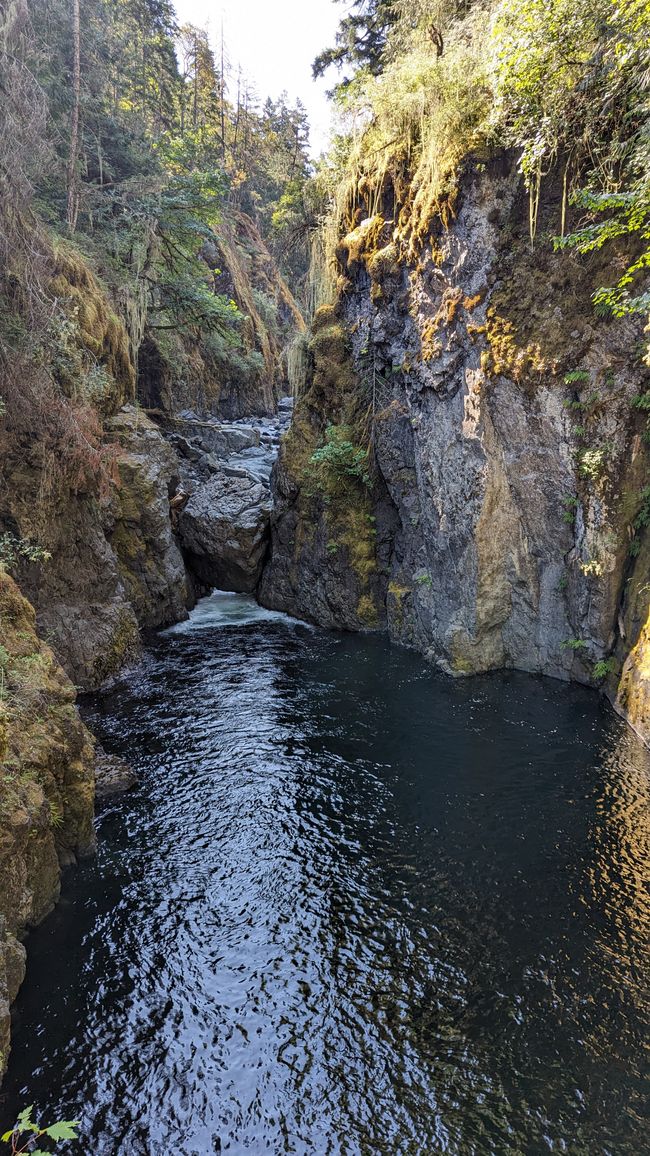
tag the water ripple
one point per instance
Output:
(352, 908)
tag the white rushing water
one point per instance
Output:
(223, 608)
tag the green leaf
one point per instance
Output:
(64, 1130)
(25, 1122)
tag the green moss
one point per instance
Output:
(362, 244)
(384, 263)
(98, 336)
(367, 611)
(339, 464)
(397, 595)
(331, 393)
(46, 779)
(352, 528)
(508, 356)
(324, 317)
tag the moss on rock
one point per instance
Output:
(46, 786)
(99, 332)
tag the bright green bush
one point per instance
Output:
(338, 463)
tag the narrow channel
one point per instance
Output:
(352, 906)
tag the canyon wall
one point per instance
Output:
(46, 787)
(502, 520)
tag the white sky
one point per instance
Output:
(275, 42)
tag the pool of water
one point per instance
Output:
(353, 907)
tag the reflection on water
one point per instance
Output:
(353, 907)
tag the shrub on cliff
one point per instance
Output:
(338, 463)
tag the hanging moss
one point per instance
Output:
(384, 262)
(298, 364)
(100, 333)
(359, 246)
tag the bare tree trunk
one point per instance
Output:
(195, 116)
(237, 116)
(73, 158)
(223, 97)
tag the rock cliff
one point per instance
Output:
(502, 523)
(115, 566)
(46, 787)
(87, 474)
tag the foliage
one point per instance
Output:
(604, 667)
(573, 644)
(573, 84)
(570, 80)
(166, 156)
(591, 463)
(12, 549)
(360, 38)
(409, 126)
(627, 214)
(26, 1132)
(642, 402)
(570, 505)
(339, 461)
(163, 150)
(641, 520)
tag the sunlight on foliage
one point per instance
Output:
(26, 1133)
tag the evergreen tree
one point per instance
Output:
(360, 39)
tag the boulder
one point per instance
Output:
(219, 438)
(224, 532)
(112, 775)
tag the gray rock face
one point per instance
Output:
(141, 534)
(218, 438)
(223, 531)
(505, 441)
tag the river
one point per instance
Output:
(352, 907)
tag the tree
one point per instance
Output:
(360, 39)
(73, 159)
(573, 86)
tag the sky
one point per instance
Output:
(275, 42)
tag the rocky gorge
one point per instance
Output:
(436, 453)
(167, 503)
(481, 535)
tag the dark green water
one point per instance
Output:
(353, 907)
